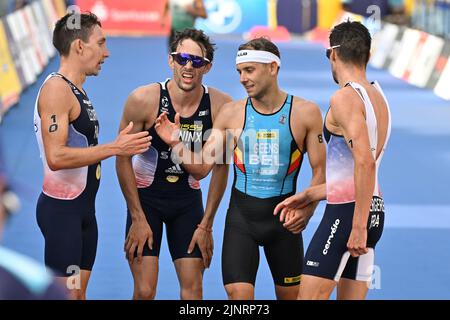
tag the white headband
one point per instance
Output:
(256, 56)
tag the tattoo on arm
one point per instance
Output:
(320, 137)
(54, 126)
(350, 142)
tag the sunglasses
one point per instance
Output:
(328, 52)
(183, 58)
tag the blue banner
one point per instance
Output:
(233, 16)
(297, 16)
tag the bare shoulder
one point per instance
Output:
(231, 115)
(142, 106)
(55, 93)
(344, 100)
(219, 96)
(233, 107)
(304, 106)
(218, 99)
(306, 110)
(144, 96)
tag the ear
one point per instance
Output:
(273, 68)
(78, 46)
(171, 62)
(333, 55)
(207, 68)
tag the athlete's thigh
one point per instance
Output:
(61, 227)
(315, 288)
(327, 252)
(189, 271)
(285, 258)
(348, 289)
(153, 217)
(181, 224)
(145, 273)
(240, 256)
(89, 240)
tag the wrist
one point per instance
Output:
(358, 226)
(204, 228)
(175, 144)
(112, 149)
(137, 217)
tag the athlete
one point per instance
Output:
(67, 131)
(158, 190)
(268, 135)
(183, 14)
(357, 129)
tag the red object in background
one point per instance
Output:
(278, 34)
(129, 17)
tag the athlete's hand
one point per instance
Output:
(168, 131)
(297, 201)
(129, 144)
(138, 236)
(357, 242)
(296, 220)
(205, 243)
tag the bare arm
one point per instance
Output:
(197, 9)
(313, 144)
(203, 234)
(213, 151)
(316, 152)
(56, 103)
(140, 231)
(164, 14)
(219, 176)
(217, 186)
(347, 109)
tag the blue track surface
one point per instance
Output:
(413, 255)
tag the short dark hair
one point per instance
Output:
(262, 44)
(199, 37)
(354, 40)
(64, 34)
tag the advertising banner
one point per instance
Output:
(27, 54)
(407, 48)
(297, 16)
(424, 64)
(10, 86)
(439, 66)
(233, 16)
(443, 85)
(382, 44)
(132, 17)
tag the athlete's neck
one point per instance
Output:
(72, 73)
(269, 103)
(350, 73)
(184, 101)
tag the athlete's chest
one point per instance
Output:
(86, 120)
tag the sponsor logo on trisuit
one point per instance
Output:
(176, 169)
(333, 231)
(172, 179)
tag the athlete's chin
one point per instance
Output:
(254, 94)
(93, 73)
(188, 87)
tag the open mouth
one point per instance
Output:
(187, 77)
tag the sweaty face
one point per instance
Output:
(255, 77)
(186, 76)
(94, 51)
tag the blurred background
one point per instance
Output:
(410, 53)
